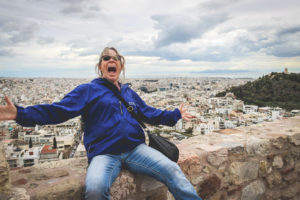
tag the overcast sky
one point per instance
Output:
(63, 38)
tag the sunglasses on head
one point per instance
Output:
(107, 58)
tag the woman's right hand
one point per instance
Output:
(8, 111)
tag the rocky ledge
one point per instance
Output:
(250, 163)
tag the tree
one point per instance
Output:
(189, 130)
(30, 143)
(54, 143)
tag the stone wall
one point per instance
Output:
(4, 171)
(250, 163)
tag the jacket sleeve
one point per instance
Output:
(69, 107)
(156, 116)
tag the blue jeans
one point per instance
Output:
(104, 169)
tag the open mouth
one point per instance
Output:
(111, 69)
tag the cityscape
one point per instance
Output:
(27, 146)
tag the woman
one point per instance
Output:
(113, 138)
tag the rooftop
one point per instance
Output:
(47, 149)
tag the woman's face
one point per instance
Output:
(111, 66)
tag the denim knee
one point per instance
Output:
(96, 190)
(171, 169)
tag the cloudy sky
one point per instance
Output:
(63, 38)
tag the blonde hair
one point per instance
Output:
(105, 52)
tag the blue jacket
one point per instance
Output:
(109, 127)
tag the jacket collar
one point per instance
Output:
(101, 81)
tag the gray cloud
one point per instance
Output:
(281, 42)
(46, 40)
(217, 4)
(238, 42)
(5, 52)
(94, 8)
(84, 8)
(71, 9)
(90, 52)
(211, 54)
(278, 42)
(24, 33)
(15, 31)
(285, 50)
(289, 30)
(78, 43)
(181, 29)
(73, 1)
(289, 45)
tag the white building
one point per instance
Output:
(250, 109)
(224, 111)
(30, 157)
(179, 125)
(64, 142)
(80, 151)
(12, 152)
(48, 154)
(229, 124)
(35, 138)
(203, 128)
(295, 112)
(275, 114)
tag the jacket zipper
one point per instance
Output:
(121, 107)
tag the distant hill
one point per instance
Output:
(275, 89)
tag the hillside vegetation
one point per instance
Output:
(275, 89)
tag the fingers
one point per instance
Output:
(184, 114)
(181, 106)
(8, 101)
(182, 109)
(187, 116)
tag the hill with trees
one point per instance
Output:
(275, 89)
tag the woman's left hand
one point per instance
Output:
(184, 114)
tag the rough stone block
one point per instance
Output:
(15, 194)
(277, 162)
(295, 153)
(150, 184)
(256, 146)
(191, 166)
(264, 168)
(209, 186)
(160, 194)
(253, 191)
(233, 189)
(274, 179)
(218, 157)
(289, 161)
(295, 139)
(291, 177)
(272, 194)
(123, 186)
(237, 153)
(279, 143)
(240, 172)
(297, 167)
(291, 191)
(65, 189)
